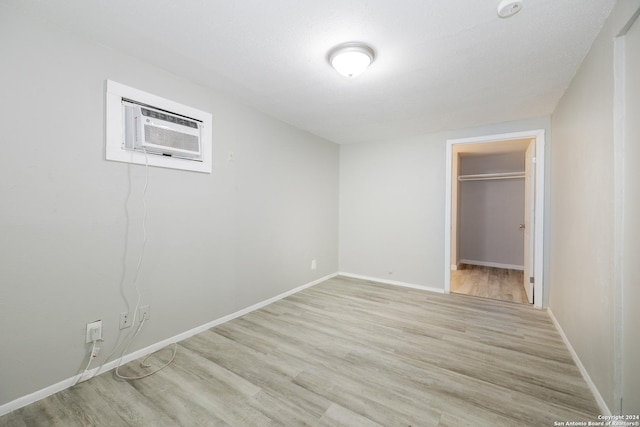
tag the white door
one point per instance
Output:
(631, 227)
(529, 218)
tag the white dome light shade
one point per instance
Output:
(351, 59)
(508, 8)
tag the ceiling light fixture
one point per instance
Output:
(351, 59)
(508, 8)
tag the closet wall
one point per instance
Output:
(491, 212)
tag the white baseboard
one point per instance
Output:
(604, 409)
(64, 384)
(392, 282)
(492, 264)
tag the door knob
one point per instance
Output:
(521, 227)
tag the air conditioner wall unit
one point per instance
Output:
(146, 129)
(156, 131)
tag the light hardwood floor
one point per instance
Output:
(489, 282)
(347, 352)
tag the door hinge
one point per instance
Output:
(531, 280)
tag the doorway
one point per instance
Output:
(494, 216)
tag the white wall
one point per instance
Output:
(582, 225)
(392, 204)
(216, 243)
(492, 210)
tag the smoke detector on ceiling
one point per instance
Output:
(508, 8)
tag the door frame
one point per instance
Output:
(539, 136)
(619, 142)
(529, 214)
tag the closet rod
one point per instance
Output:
(491, 176)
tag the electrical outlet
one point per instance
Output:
(314, 265)
(144, 313)
(94, 331)
(125, 320)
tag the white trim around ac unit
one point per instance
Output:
(114, 129)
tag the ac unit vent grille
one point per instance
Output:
(168, 118)
(171, 138)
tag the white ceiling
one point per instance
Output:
(441, 64)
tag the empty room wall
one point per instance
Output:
(582, 235)
(491, 212)
(392, 204)
(71, 222)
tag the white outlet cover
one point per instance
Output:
(90, 327)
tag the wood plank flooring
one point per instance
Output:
(489, 282)
(346, 352)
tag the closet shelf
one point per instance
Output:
(491, 176)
